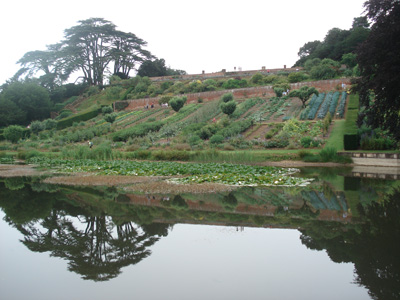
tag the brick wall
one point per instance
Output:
(262, 91)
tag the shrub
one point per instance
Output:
(112, 93)
(177, 103)
(120, 105)
(110, 118)
(50, 124)
(227, 97)
(216, 139)
(106, 110)
(306, 141)
(228, 107)
(296, 77)
(234, 84)
(36, 127)
(171, 155)
(14, 133)
(194, 140)
(257, 78)
(278, 91)
(138, 130)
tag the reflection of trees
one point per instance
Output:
(373, 247)
(97, 252)
(94, 244)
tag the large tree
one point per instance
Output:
(31, 102)
(92, 48)
(379, 62)
(304, 93)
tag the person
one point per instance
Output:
(90, 144)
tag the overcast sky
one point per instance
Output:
(208, 35)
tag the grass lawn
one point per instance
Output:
(336, 137)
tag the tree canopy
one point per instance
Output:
(304, 93)
(379, 63)
(336, 43)
(94, 48)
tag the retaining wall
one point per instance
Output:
(250, 92)
(374, 159)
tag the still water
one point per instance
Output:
(334, 239)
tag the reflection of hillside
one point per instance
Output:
(261, 202)
(373, 246)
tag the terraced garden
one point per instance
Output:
(256, 123)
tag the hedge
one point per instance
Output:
(351, 138)
(138, 130)
(78, 118)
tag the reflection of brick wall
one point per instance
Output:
(262, 91)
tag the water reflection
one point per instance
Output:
(100, 231)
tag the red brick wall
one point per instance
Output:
(262, 91)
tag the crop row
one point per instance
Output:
(332, 107)
(342, 104)
(325, 106)
(315, 106)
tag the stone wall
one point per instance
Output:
(374, 159)
(262, 91)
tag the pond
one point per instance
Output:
(336, 238)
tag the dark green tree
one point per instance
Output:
(31, 99)
(128, 53)
(153, 68)
(379, 63)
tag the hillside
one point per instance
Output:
(257, 123)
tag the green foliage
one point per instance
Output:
(228, 107)
(106, 110)
(323, 72)
(171, 155)
(227, 97)
(278, 91)
(257, 78)
(216, 139)
(30, 101)
(14, 133)
(120, 105)
(138, 130)
(84, 116)
(37, 126)
(231, 174)
(234, 84)
(304, 93)
(113, 93)
(110, 118)
(297, 77)
(177, 103)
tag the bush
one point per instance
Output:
(36, 127)
(228, 107)
(227, 97)
(50, 124)
(138, 130)
(257, 78)
(296, 77)
(171, 155)
(177, 103)
(217, 139)
(110, 118)
(306, 141)
(14, 133)
(106, 110)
